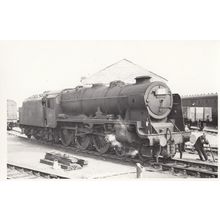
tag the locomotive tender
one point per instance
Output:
(145, 117)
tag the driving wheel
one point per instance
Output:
(83, 141)
(100, 143)
(66, 137)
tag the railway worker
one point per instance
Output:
(199, 146)
(207, 120)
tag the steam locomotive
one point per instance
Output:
(144, 117)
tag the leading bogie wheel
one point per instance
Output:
(120, 150)
(144, 153)
(147, 153)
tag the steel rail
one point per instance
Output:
(189, 171)
(30, 172)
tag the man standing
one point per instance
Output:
(199, 146)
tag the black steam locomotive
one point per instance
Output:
(144, 117)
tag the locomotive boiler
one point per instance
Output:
(144, 117)
(120, 99)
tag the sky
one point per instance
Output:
(32, 67)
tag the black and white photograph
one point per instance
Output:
(111, 109)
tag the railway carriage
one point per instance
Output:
(144, 117)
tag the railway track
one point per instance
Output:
(192, 150)
(175, 166)
(19, 172)
(191, 168)
(207, 130)
(214, 132)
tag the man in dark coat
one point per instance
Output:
(199, 146)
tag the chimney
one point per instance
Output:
(142, 79)
(95, 85)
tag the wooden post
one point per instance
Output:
(139, 170)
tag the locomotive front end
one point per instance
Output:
(165, 129)
(158, 100)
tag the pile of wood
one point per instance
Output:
(63, 161)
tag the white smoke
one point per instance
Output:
(112, 139)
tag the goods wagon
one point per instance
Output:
(201, 110)
(11, 114)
